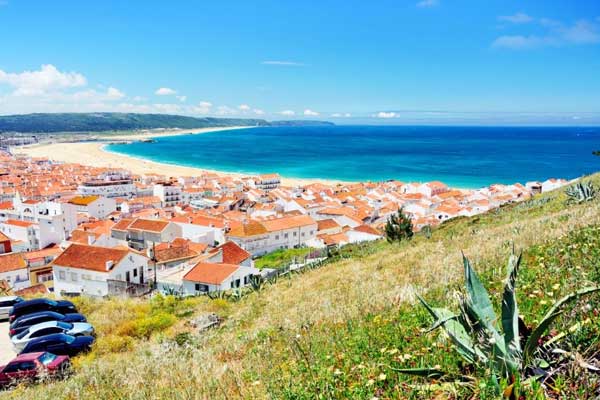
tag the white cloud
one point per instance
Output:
(164, 91)
(518, 18)
(427, 3)
(181, 98)
(583, 32)
(114, 93)
(557, 34)
(244, 107)
(258, 111)
(287, 113)
(47, 78)
(225, 110)
(283, 63)
(310, 113)
(384, 114)
(139, 98)
(341, 115)
(204, 107)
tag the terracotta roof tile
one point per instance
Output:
(213, 274)
(93, 258)
(12, 262)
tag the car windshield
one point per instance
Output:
(23, 334)
(46, 358)
(64, 325)
(69, 339)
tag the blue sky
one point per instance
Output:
(418, 61)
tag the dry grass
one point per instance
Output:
(227, 362)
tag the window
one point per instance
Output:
(61, 275)
(135, 273)
(201, 288)
(295, 234)
(235, 284)
(276, 237)
(312, 232)
(127, 276)
(302, 234)
(285, 236)
(74, 276)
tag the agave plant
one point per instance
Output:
(480, 340)
(581, 192)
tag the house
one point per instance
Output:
(110, 184)
(141, 233)
(179, 251)
(94, 206)
(234, 254)
(267, 182)
(207, 277)
(13, 270)
(89, 269)
(170, 194)
(261, 237)
(5, 246)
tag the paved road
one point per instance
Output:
(6, 348)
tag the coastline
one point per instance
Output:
(94, 154)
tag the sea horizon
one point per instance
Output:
(457, 155)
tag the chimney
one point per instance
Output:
(109, 265)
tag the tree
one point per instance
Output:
(398, 227)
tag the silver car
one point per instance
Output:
(6, 303)
(49, 328)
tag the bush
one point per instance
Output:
(113, 344)
(145, 327)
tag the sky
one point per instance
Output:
(379, 61)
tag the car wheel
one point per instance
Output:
(66, 369)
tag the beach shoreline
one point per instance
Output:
(93, 153)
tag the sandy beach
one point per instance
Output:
(93, 154)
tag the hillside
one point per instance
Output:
(343, 330)
(102, 122)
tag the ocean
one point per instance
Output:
(468, 157)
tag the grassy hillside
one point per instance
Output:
(104, 122)
(342, 330)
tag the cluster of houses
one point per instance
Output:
(75, 229)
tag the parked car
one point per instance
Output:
(36, 305)
(49, 328)
(25, 321)
(59, 343)
(6, 304)
(31, 366)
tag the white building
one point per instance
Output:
(113, 184)
(87, 269)
(38, 224)
(94, 206)
(170, 194)
(261, 237)
(13, 270)
(267, 182)
(208, 277)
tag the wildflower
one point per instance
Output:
(370, 382)
(556, 286)
(337, 372)
(550, 294)
(298, 336)
(381, 377)
(255, 383)
(393, 351)
(437, 366)
(531, 296)
(407, 356)
(543, 302)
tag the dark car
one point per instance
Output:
(25, 321)
(37, 305)
(59, 343)
(31, 366)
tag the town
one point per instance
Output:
(71, 229)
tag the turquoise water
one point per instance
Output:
(458, 156)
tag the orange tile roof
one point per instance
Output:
(250, 228)
(93, 258)
(12, 262)
(152, 225)
(295, 221)
(4, 238)
(83, 200)
(17, 222)
(213, 274)
(233, 254)
(327, 224)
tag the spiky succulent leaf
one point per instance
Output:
(479, 303)
(432, 373)
(532, 342)
(456, 332)
(510, 309)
